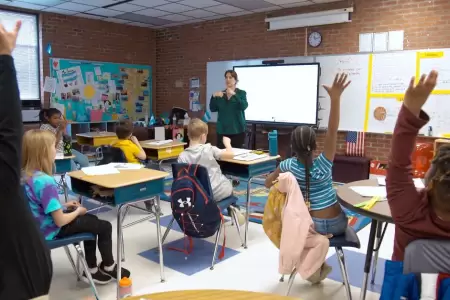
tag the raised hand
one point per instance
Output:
(417, 95)
(218, 94)
(339, 85)
(230, 92)
(8, 39)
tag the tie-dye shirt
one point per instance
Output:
(42, 194)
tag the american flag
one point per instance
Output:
(355, 143)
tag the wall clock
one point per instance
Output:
(315, 39)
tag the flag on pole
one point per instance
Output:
(355, 143)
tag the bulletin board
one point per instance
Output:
(379, 81)
(87, 91)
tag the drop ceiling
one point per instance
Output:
(157, 13)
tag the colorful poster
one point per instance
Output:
(101, 91)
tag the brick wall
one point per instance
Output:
(182, 52)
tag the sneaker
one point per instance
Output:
(239, 215)
(113, 273)
(98, 277)
(320, 274)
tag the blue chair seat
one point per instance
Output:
(225, 203)
(349, 239)
(74, 239)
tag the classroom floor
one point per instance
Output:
(252, 269)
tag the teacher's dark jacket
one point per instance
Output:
(231, 116)
(25, 262)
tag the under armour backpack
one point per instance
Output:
(193, 207)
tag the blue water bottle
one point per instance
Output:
(273, 143)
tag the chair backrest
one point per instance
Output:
(202, 175)
(112, 154)
(427, 256)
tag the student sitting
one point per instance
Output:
(206, 155)
(53, 121)
(38, 157)
(128, 143)
(315, 175)
(423, 214)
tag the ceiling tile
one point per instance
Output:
(239, 13)
(150, 12)
(87, 16)
(198, 13)
(104, 12)
(98, 3)
(44, 2)
(75, 6)
(247, 4)
(176, 18)
(59, 11)
(114, 20)
(150, 3)
(223, 9)
(174, 8)
(199, 3)
(25, 5)
(143, 19)
(126, 7)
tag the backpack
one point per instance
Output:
(276, 201)
(193, 208)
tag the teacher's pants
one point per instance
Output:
(237, 140)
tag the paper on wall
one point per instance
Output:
(49, 84)
(112, 86)
(89, 77)
(98, 71)
(70, 78)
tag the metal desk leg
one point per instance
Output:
(247, 214)
(378, 240)
(369, 254)
(158, 234)
(119, 246)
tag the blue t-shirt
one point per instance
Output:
(321, 191)
(42, 192)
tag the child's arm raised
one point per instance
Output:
(335, 91)
(402, 194)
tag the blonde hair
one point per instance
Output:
(196, 128)
(36, 147)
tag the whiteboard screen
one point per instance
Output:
(285, 94)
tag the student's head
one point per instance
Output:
(124, 129)
(50, 116)
(438, 180)
(231, 78)
(38, 151)
(197, 131)
(303, 144)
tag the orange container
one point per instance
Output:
(421, 159)
(378, 167)
(125, 287)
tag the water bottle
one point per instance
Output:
(67, 145)
(125, 288)
(273, 143)
(186, 120)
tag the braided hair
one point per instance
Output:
(439, 176)
(303, 143)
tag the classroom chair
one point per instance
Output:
(203, 177)
(349, 239)
(76, 240)
(110, 155)
(427, 256)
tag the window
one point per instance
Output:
(26, 54)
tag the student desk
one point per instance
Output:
(96, 139)
(248, 170)
(62, 166)
(130, 186)
(210, 295)
(380, 213)
(164, 152)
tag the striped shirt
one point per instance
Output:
(48, 127)
(321, 190)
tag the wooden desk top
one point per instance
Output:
(97, 134)
(211, 295)
(251, 162)
(348, 198)
(64, 157)
(145, 145)
(124, 178)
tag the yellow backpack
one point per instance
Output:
(272, 215)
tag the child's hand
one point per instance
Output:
(134, 140)
(339, 85)
(81, 210)
(226, 142)
(416, 96)
(218, 94)
(73, 204)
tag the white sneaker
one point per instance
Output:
(239, 215)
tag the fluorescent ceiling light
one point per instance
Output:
(310, 19)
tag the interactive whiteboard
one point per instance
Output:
(286, 93)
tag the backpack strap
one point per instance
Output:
(192, 170)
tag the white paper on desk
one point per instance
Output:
(249, 156)
(158, 143)
(125, 166)
(370, 191)
(100, 170)
(239, 151)
(160, 133)
(417, 182)
(59, 155)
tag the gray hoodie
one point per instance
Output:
(207, 156)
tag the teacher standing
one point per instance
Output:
(230, 105)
